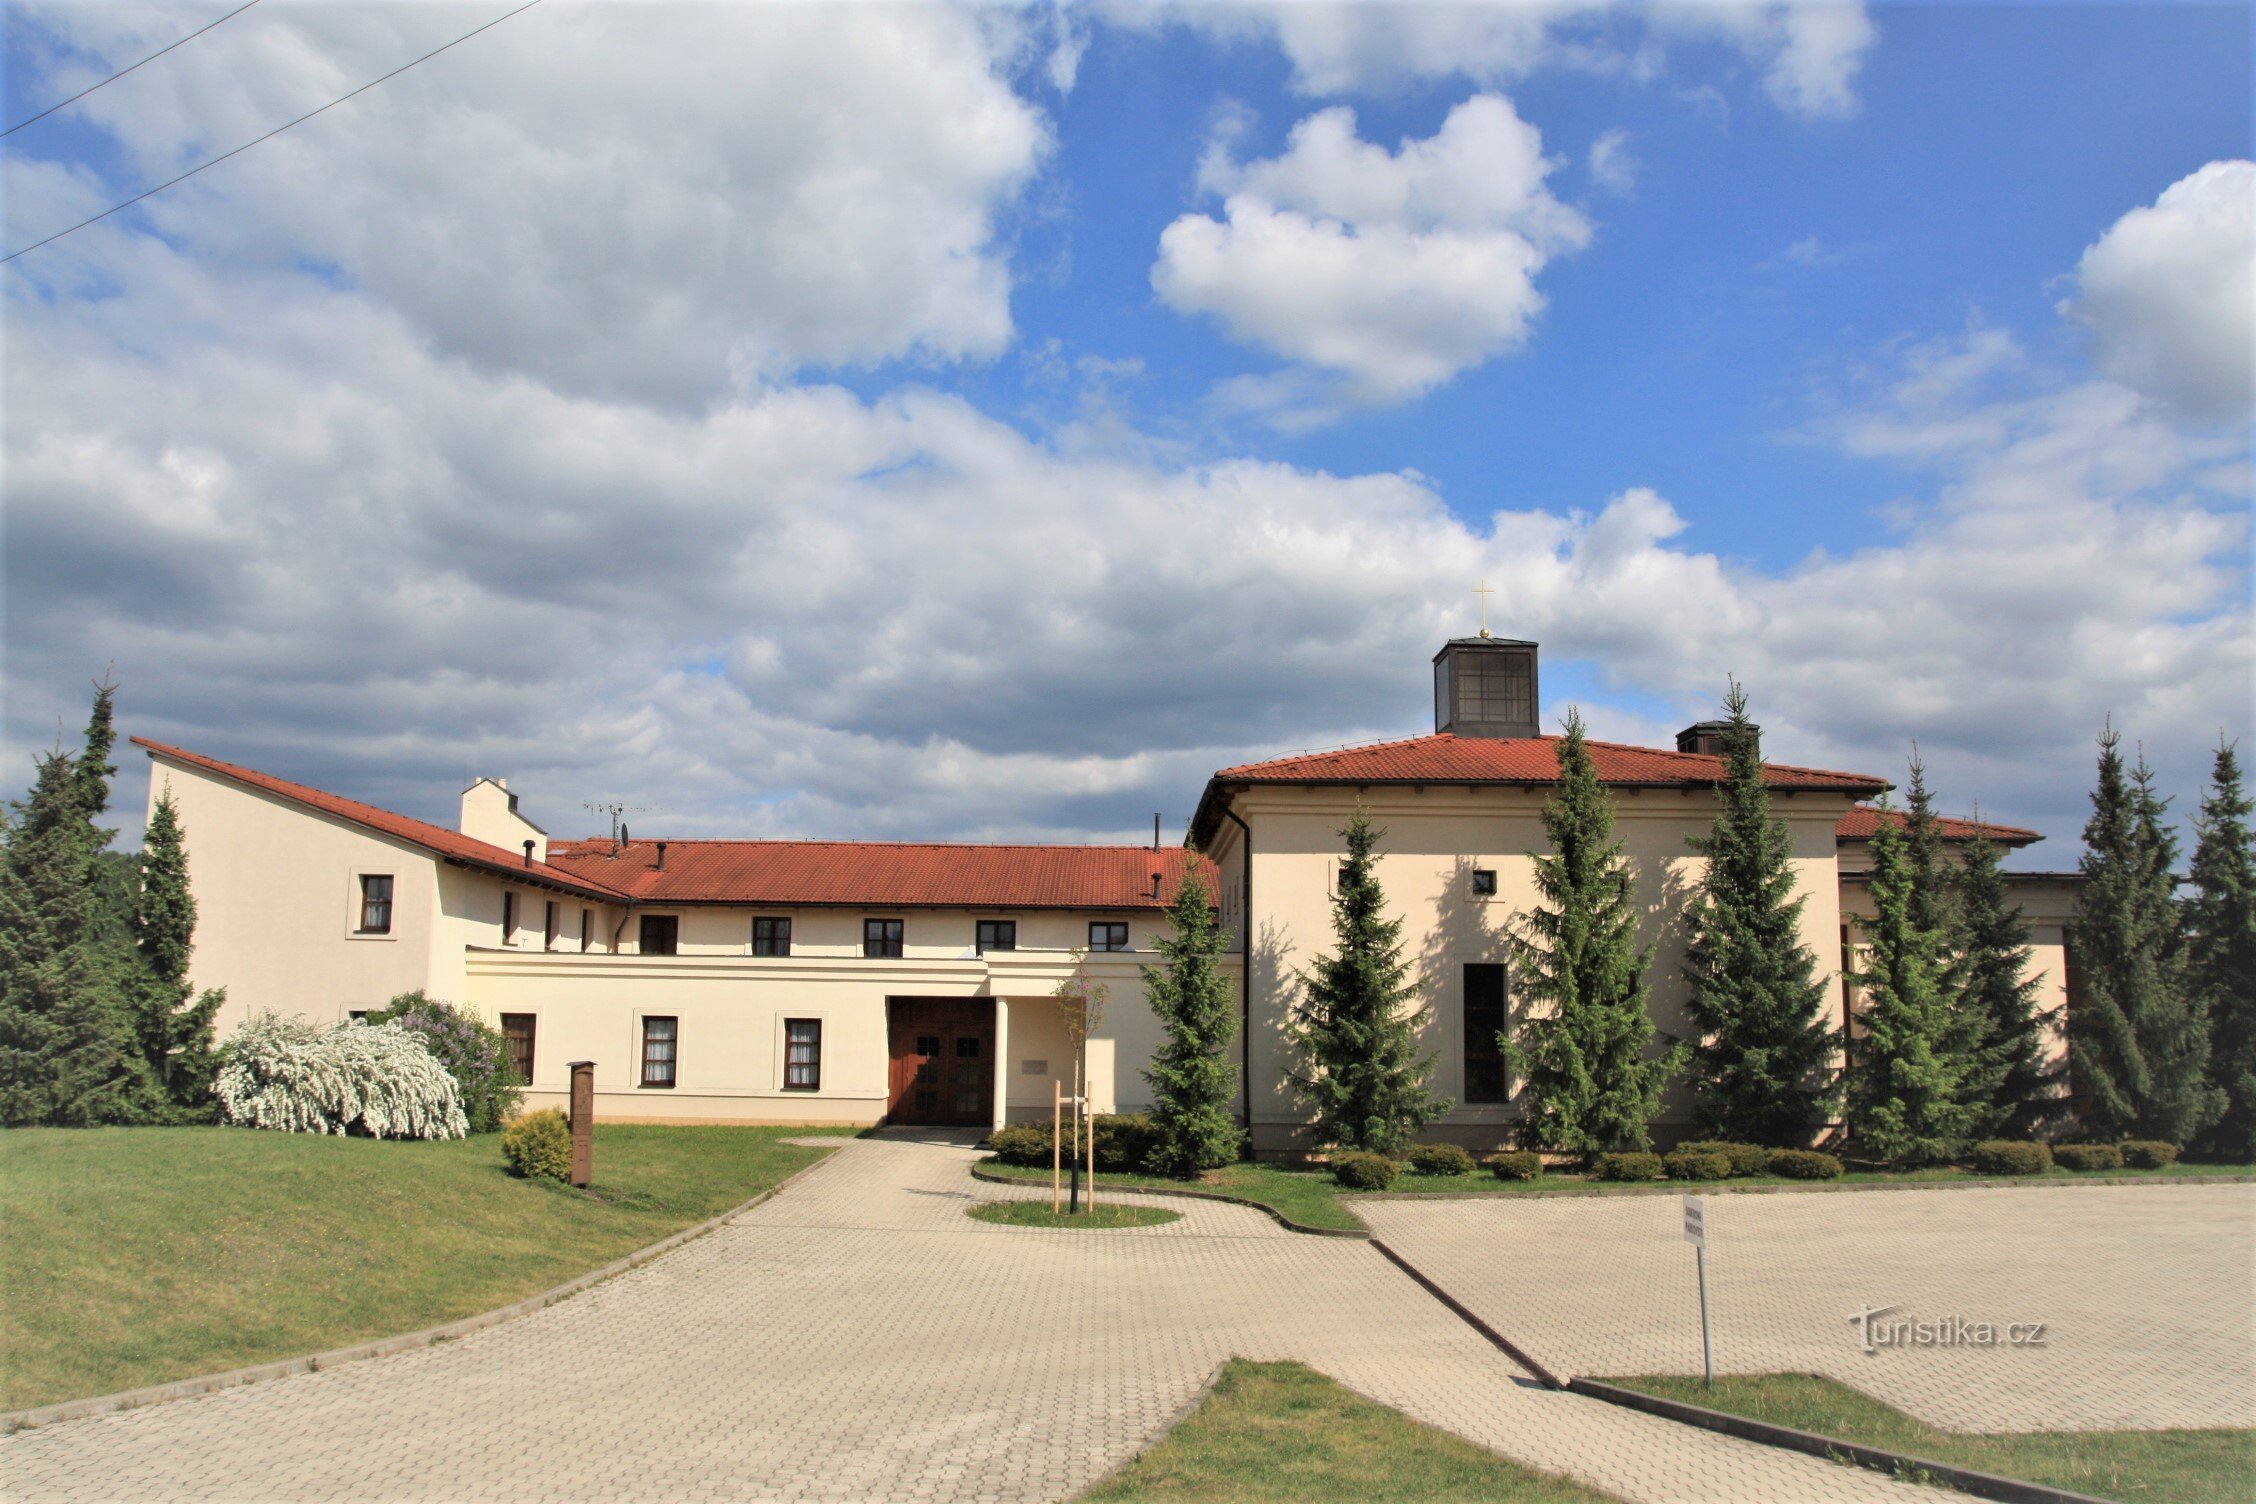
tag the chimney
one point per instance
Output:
(661, 856)
(1486, 686)
(1708, 737)
(528, 853)
(1155, 830)
(1155, 885)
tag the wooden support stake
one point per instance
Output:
(1057, 1145)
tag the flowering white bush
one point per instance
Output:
(301, 1078)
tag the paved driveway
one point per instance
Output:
(2147, 1293)
(859, 1338)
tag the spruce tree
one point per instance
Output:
(67, 1049)
(2132, 1034)
(2011, 1080)
(1904, 1101)
(1583, 1046)
(2220, 929)
(2180, 1102)
(174, 1031)
(1761, 1072)
(1355, 1029)
(1192, 1080)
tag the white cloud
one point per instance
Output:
(314, 543)
(1612, 167)
(1394, 271)
(2169, 294)
(1809, 52)
(635, 200)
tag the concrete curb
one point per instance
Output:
(1466, 1314)
(181, 1389)
(981, 1172)
(1725, 1187)
(1896, 1464)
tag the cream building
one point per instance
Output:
(859, 982)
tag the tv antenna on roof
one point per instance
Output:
(614, 810)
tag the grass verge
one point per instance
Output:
(1280, 1433)
(1945, 1175)
(1104, 1214)
(138, 1256)
(2164, 1467)
(1305, 1196)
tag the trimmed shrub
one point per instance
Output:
(1520, 1164)
(1125, 1140)
(472, 1051)
(1634, 1166)
(2088, 1157)
(539, 1143)
(2011, 1156)
(1024, 1145)
(1686, 1164)
(1746, 1159)
(1803, 1164)
(2149, 1154)
(1360, 1170)
(1441, 1159)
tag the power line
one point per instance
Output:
(122, 72)
(270, 135)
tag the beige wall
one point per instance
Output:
(277, 889)
(1435, 839)
(731, 1008)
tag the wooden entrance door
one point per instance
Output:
(943, 1061)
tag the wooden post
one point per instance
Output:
(1057, 1144)
(583, 1122)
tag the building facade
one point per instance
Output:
(859, 982)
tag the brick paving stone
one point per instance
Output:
(858, 1338)
(2148, 1293)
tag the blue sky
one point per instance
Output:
(938, 421)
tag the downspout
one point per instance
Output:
(1245, 986)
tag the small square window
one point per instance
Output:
(375, 903)
(660, 935)
(1484, 882)
(1107, 934)
(997, 934)
(771, 937)
(882, 938)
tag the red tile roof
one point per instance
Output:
(885, 874)
(1444, 758)
(437, 839)
(1863, 823)
(1534, 760)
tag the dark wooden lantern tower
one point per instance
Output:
(1486, 686)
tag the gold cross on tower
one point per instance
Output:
(1484, 593)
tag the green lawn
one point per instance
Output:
(2164, 1467)
(1306, 1196)
(1279, 1433)
(1487, 1184)
(1104, 1214)
(1309, 1197)
(136, 1256)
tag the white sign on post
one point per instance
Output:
(1696, 1233)
(1696, 1221)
